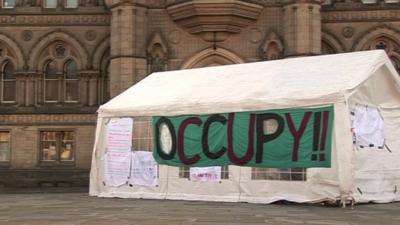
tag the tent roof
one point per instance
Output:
(286, 83)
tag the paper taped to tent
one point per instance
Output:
(304, 129)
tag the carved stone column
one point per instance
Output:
(39, 89)
(90, 79)
(302, 27)
(128, 63)
(84, 79)
(30, 88)
(20, 87)
(61, 88)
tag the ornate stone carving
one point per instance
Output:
(90, 35)
(272, 47)
(166, 3)
(45, 20)
(48, 118)
(214, 21)
(254, 35)
(174, 36)
(157, 52)
(60, 51)
(348, 32)
(348, 16)
(26, 35)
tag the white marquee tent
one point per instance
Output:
(343, 80)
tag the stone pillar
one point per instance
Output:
(61, 88)
(89, 80)
(128, 62)
(84, 79)
(302, 27)
(31, 89)
(39, 89)
(20, 86)
(26, 84)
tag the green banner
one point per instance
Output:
(283, 138)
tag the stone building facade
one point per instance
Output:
(61, 59)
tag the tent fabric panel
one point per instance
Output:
(377, 172)
(287, 83)
(321, 183)
(381, 90)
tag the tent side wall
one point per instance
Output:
(377, 176)
(98, 149)
(320, 183)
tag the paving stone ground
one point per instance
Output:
(80, 209)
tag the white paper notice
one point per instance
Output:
(368, 127)
(144, 170)
(118, 151)
(205, 174)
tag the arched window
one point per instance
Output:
(51, 83)
(8, 83)
(211, 57)
(71, 82)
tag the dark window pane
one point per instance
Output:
(51, 70)
(51, 90)
(71, 90)
(9, 93)
(9, 71)
(49, 136)
(49, 151)
(67, 135)
(71, 70)
(66, 153)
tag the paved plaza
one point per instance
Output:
(79, 208)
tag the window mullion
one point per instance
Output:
(58, 145)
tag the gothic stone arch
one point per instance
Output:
(14, 52)
(101, 49)
(381, 37)
(330, 43)
(45, 41)
(377, 32)
(212, 57)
